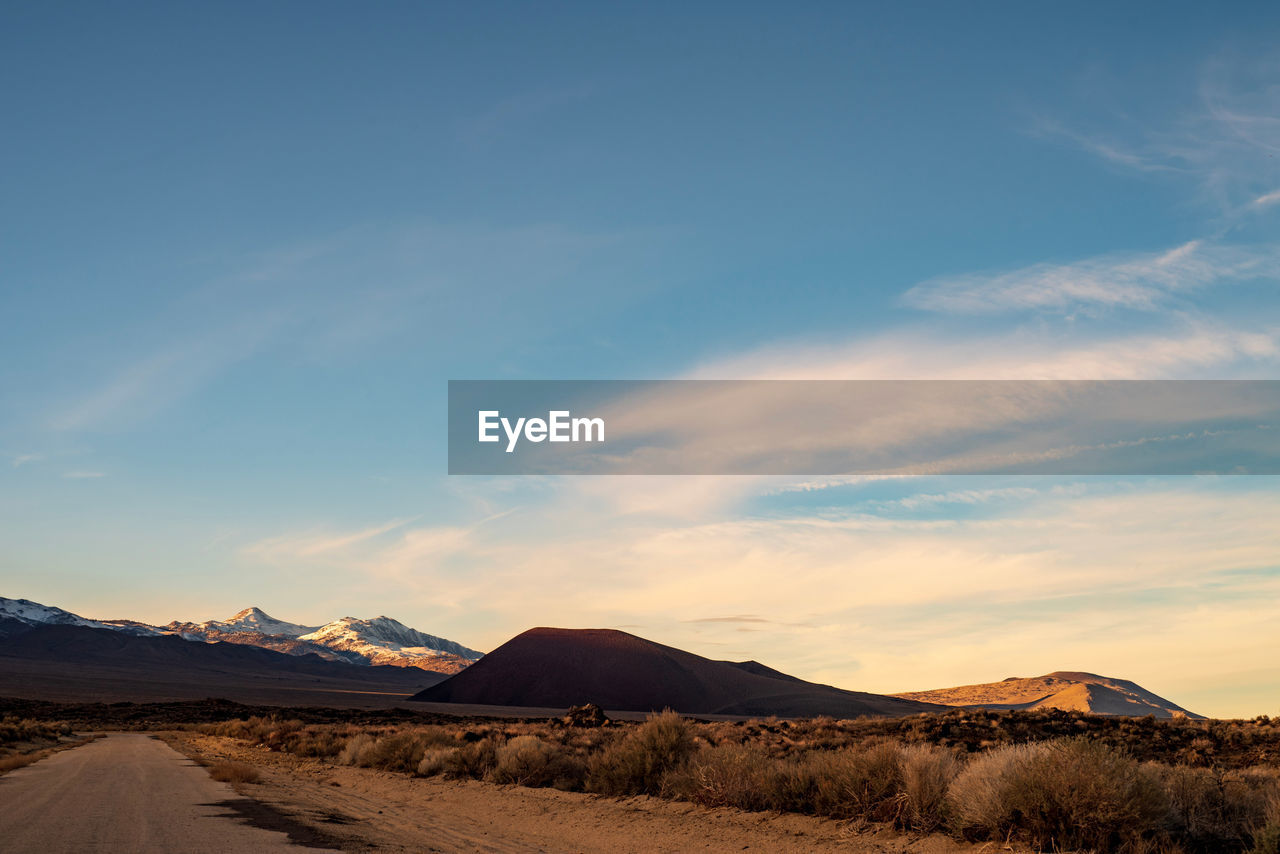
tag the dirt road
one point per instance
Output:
(133, 793)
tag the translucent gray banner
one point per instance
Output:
(839, 427)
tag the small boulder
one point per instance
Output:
(589, 715)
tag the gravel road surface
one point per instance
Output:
(133, 793)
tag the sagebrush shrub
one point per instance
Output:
(731, 775)
(926, 773)
(1059, 795)
(637, 763)
(472, 761)
(397, 752)
(433, 761)
(356, 749)
(525, 760)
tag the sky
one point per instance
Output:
(245, 246)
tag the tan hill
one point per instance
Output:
(557, 668)
(1063, 689)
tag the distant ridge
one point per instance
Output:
(377, 641)
(557, 668)
(1070, 690)
(67, 662)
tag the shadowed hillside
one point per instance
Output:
(549, 667)
(78, 663)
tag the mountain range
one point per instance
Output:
(376, 641)
(52, 654)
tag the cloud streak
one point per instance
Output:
(1141, 281)
(1226, 139)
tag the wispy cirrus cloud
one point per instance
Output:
(397, 550)
(1225, 139)
(511, 112)
(739, 618)
(1188, 348)
(142, 388)
(315, 543)
(1112, 151)
(1142, 281)
(338, 295)
(1267, 199)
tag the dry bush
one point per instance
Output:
(731, 775)
(320, 743)
(524, 760)
(472, 761)
(978, 797)
(15, 730)
(882, 782)
(1218, 810)
(1059, 795)
(234, 772)
(637, 763)
(871, 779)
(273, 732)
(1266, 839)
(356, 749)
(926, 775)
(434, 761)
(21, 760)
(860, 782)
(529, 761)
(397, 752)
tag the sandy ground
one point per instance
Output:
(362, 809)
(129, 792)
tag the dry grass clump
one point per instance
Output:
(234, 772)
(1266, 840)
(24, 741)
(433, 761)
(14, 730)
(733, 775)
(527, 760)
(1061, 795)
(906, 786)
(396, 752)
(638, 763)
(356, 748)
(20, 760)
(472, 761)
(926, 776)
(1221, 810)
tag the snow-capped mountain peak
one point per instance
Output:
(254, 619)
(385, 640)
(34, 614)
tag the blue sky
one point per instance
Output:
(246, 245)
